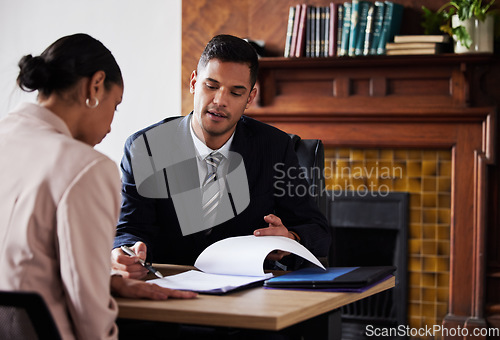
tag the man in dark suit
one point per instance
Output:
(167, 160)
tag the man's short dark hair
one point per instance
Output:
(228, 48)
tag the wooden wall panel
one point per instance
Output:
(201, 20)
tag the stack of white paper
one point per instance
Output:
(232, 263)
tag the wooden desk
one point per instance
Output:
(256, 308)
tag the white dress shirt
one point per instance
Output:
(202, 151)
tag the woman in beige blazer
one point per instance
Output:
(60, 198)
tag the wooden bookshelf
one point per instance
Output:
(289, 86)
(258, 20)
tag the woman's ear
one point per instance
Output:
(96, 86)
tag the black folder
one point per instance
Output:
(333, 277)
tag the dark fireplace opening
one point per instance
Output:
(362, 240)
(370, 229)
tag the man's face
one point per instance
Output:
(222, 91)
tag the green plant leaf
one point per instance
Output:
(433, 22)
(461, 34)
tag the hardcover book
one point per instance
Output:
(326, 25)
(340, 26)
(410, 45)
(309, 30)
(413, 48)
(346, 29)
(295, 31)
(354, 27)
(364, 6)
(392, 22)
(378, 21)
(289, 31)
(332, 46)
(413, 51)
(369, 29)
(422, 38)
(319, 34)
(301, 35)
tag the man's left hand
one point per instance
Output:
(276, 228)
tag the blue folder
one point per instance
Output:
(333, 277)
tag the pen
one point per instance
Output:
(146, 265)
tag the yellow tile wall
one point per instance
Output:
(426, 175)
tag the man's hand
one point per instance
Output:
(276, 228)
(129, 266)
(139, 289)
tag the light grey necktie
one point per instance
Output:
(211, 189)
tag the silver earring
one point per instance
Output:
(87, 102)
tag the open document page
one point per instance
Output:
(232, 263)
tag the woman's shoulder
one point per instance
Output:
(76, 161)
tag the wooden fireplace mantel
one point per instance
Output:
(369, 84)
(403, 102)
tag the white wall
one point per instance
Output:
(143, 35)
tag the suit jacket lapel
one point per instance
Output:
(243, 144)
(184, 172)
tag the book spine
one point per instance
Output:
(378, 21)
(326, 49)
(295, 30)
(397, 17)
(394, 45)
(313, 32)
(385, 27)
(308, 31)
(332, 46)
(340, 27)
(392, 23)
(354, 27)
(301, 38)
(422, 38)
(412, 51)
(319, 36)
(346, 29)
(369, 30)
(289, 31)
(363, 17)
